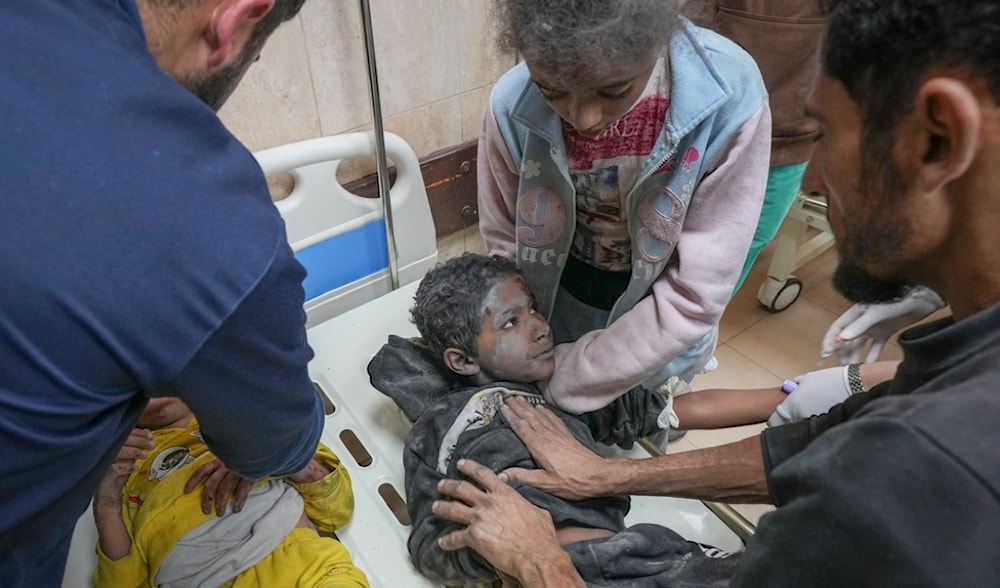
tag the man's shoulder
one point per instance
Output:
(957, 420)
(937, 446)
(884, 478)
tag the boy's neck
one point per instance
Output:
(480, 379)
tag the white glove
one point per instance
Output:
(816, 393)
(875, 323)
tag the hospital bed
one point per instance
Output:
(367, 430)
(364, 427)
(795, 246)
(340, 237)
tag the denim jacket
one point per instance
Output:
(691, 214)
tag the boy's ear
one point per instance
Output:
(460, 363)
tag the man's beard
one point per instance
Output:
(876, 236)
(214, 89)
(858, 285)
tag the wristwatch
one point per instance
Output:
(854, 382)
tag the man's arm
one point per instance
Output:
(732, 472)
(248, 384)
(877, 502)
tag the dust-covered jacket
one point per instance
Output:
(454, 420)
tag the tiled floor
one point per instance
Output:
(756, 348)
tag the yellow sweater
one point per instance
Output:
(158, 513)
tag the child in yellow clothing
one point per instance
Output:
(155, 532)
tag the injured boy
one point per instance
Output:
(154, 531)
(484, 340)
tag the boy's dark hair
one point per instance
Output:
(881, 50)
(448, 306)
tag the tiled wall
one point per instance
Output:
(436, 67)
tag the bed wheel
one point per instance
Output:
(777, 295)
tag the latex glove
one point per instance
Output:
(875, 323)
(817, 392)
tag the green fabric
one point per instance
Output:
(783, 183)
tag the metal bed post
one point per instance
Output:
(381, 163)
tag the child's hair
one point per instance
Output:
(448, 306)
(596, 35)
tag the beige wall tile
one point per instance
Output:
(435, 74)
(417, 45)
(481, 63)
(474, 105)
(430, 127)
(427, 129)
(753, 512)
(275, 103)
(334, 39)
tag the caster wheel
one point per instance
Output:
(776, 296)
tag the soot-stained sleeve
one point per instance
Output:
(778, 444)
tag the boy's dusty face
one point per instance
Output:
(515, 341)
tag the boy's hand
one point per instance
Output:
(314, 471)
(109, 490)
(565, 467)
(221, 484)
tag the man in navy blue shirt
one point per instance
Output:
(140, 256)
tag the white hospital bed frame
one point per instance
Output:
(319, 210)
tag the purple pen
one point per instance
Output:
(789, 386)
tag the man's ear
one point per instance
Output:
(232, 23)
(949, 114)
(460, 363)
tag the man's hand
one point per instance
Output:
(514, 535)
(875, 323)
(566, 468)
(221, 484)
(817, 392)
